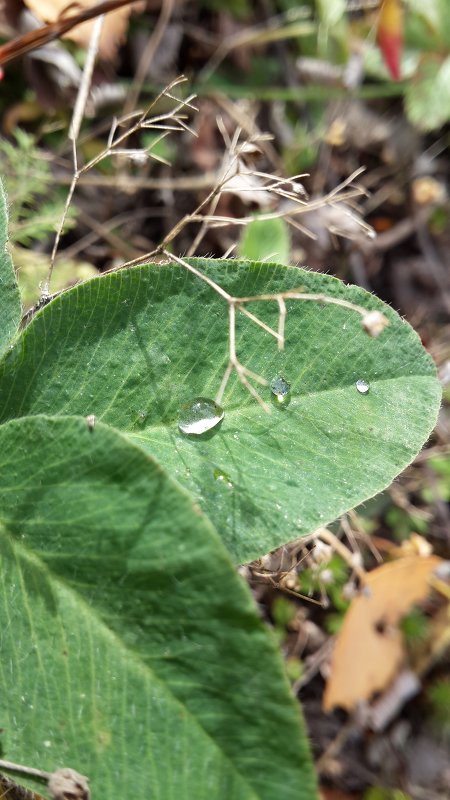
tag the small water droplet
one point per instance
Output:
(281, 390)
(200, 416)
(223, 477)
(362, 386)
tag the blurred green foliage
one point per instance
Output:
(36, 203)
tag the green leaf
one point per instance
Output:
(131, 649)
(132, 347)
(10, 310)
(427, 98)
(266, 239)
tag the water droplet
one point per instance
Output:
(223, 477)
(281, 390)
(200, 416)
(362, 386)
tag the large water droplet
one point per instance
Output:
(362, 386)
(281, 390)
(199, 416)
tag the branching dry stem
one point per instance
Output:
(172, 120)
(244, 374)
(233, 166)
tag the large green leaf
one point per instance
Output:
(133, 346)
(131, 649)
(10, 310)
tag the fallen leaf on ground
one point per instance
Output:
(369, 649)
(114, 26)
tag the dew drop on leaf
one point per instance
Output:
(199, 416)
(223, 477)
(362, 386)
(281, 390)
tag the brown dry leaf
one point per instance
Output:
(114, 27)
(369, 648)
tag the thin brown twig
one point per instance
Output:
(294, 295)
(329, 538)
(261, 324)
(277, 581)
(200, 275)
(131, 183)
(302, 208)
(281, 321)
(78, 112)
(234, 364)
